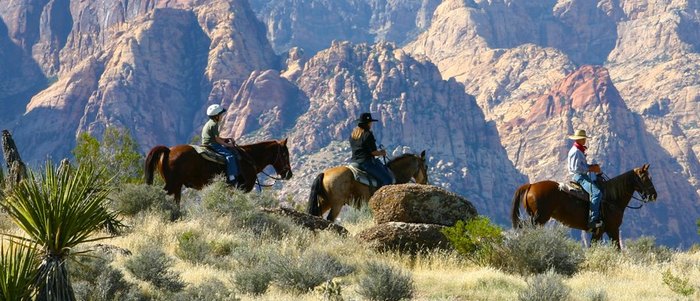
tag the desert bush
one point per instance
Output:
(380, 281)
(535, 250)
(601, 258)
(678, 284)
(152, 265)
(208, 290)
(301, 275)
(254, 280)
(478, 239)
(548, 286)
(221, 247)
(131, 199)
(357, 215)
(118, 153)
(192, 247)
(644, 251)
(596, 295)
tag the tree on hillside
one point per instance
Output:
(117, 153)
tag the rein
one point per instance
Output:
(255, 167)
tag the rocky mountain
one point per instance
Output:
(626, 70)
(313, 25)
(521, 58)
(151, 67)
(416, 108)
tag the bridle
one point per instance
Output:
(645, 197)
(278, 157)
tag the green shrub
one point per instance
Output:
(477, 239)
(208, 290)
(645, 251)
(303, 274)
(152, 265)
(131, 199)
(383, 282)
(545, 287)
(331, 291)
(192, 247)
(118, 153)
(535, 250)
(220, 247)
(678, 284)
(18, 270)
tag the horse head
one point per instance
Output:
(643, 183)
(421, 174)
(281, 163)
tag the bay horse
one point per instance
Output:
(544, 200)
(336, 187)
(181, 165)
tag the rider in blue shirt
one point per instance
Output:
(579, 170)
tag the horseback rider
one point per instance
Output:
(364, 151)
(223, 146)
(579, 170)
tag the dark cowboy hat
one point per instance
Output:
(365, 118)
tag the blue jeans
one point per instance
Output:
(375, 168)
(231, 160)
(594, 191)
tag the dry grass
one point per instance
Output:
(436, 276)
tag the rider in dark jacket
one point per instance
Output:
(364, 150)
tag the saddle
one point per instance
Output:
(362, 176)
(574, 189)
(209, 154)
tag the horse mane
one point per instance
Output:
(615, 188)
(399, 158)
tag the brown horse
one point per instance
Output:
(544, 200)
(182, 165)
(336, 186)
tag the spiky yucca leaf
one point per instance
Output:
(18, 271)
(59, 210)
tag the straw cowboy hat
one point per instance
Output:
(579, 134)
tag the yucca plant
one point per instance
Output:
(18, 270)
(59, 210)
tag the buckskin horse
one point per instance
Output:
(336, 186)
(181, 165)
(545, 200)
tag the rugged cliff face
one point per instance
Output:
(510, 54)
(416, 108)
(313, 25)
(151, 67)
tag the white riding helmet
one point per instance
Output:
(214, 110)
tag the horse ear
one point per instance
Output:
(284, 142)
(422, 154)
(645, 167)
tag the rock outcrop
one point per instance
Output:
(421, 204)
(405, 237)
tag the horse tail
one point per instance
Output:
(515, 210)
(316, 191)
(157, 154)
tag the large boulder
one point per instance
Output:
(405, 237)
(422, 204)
(308, 221)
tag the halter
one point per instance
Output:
(277, 158)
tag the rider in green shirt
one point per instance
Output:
(223, 146)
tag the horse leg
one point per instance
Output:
(614, 235)
(596, 236)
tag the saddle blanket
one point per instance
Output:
(209, 154)
(574, 189)
(361, 175)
